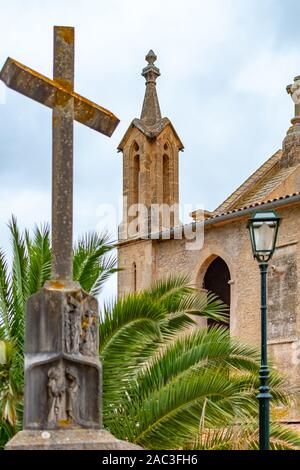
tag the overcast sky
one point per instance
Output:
(224, 68)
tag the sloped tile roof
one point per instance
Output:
(264, 187)
(286, 197)
(233, 201)
(149, 131)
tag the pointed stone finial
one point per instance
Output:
(151, 111)
(151, 72)
(151, 57)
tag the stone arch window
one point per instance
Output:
(166, 179)
(217, 281)
(135, 179)
(136, 147)
(134, 277)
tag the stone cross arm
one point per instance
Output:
(51, 93)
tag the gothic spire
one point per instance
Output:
(150, 114)
(150, 123)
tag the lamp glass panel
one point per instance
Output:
(264, 233)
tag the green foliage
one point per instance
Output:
(166, 384)
(93, 262)
(11, 390)
(244, 436)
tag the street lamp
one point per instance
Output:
(263, 228)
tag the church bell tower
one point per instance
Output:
(150, 150)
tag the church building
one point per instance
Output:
(224, 264)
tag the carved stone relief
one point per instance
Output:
(72, 321)
(57, 395)
(63, 388)
(80, 327)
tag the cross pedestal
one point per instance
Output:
(62, 403)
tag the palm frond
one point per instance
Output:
(5, 298)
(39, 257)
(201, 348)
(169, 418)
(9, 387)
(91, 265)
(20, 288)
(171, 286)
(245, 436)
(130, 328)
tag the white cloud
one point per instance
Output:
(2, 93)
(24, 202)
(224, 65)
(265, 72)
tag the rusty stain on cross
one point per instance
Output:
(67, 106)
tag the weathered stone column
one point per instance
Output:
(62, 155)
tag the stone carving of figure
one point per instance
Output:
(93, 335)
(72, 391)
(76, 330)
(67, 329)
(57, 395)
(72, 322)
(89, 342)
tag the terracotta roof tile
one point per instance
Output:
(263, 188)
(254, 204)
(250, 182)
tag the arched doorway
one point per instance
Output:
(216, 280)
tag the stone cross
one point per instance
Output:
(62, 366)
(67, 105)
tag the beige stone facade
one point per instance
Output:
(225, 260)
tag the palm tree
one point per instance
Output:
(93, 263)
(169, 385)
(166, 384)
(245, 437)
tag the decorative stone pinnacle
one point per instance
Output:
(151, 72)
(151, 114)
(151, 57)
(294, 91)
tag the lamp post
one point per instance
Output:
(263, 229)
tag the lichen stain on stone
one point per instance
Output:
(56, 285)
(86, 114)
(62, 98)
(64, 422)
(89, 103)
(53, 93)
(67, 34)
(65, 83)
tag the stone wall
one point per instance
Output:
(230, 241)
(140, 253)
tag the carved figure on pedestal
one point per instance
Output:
(88, 345)
(72, 391)
(57, 395)
(72, 321)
